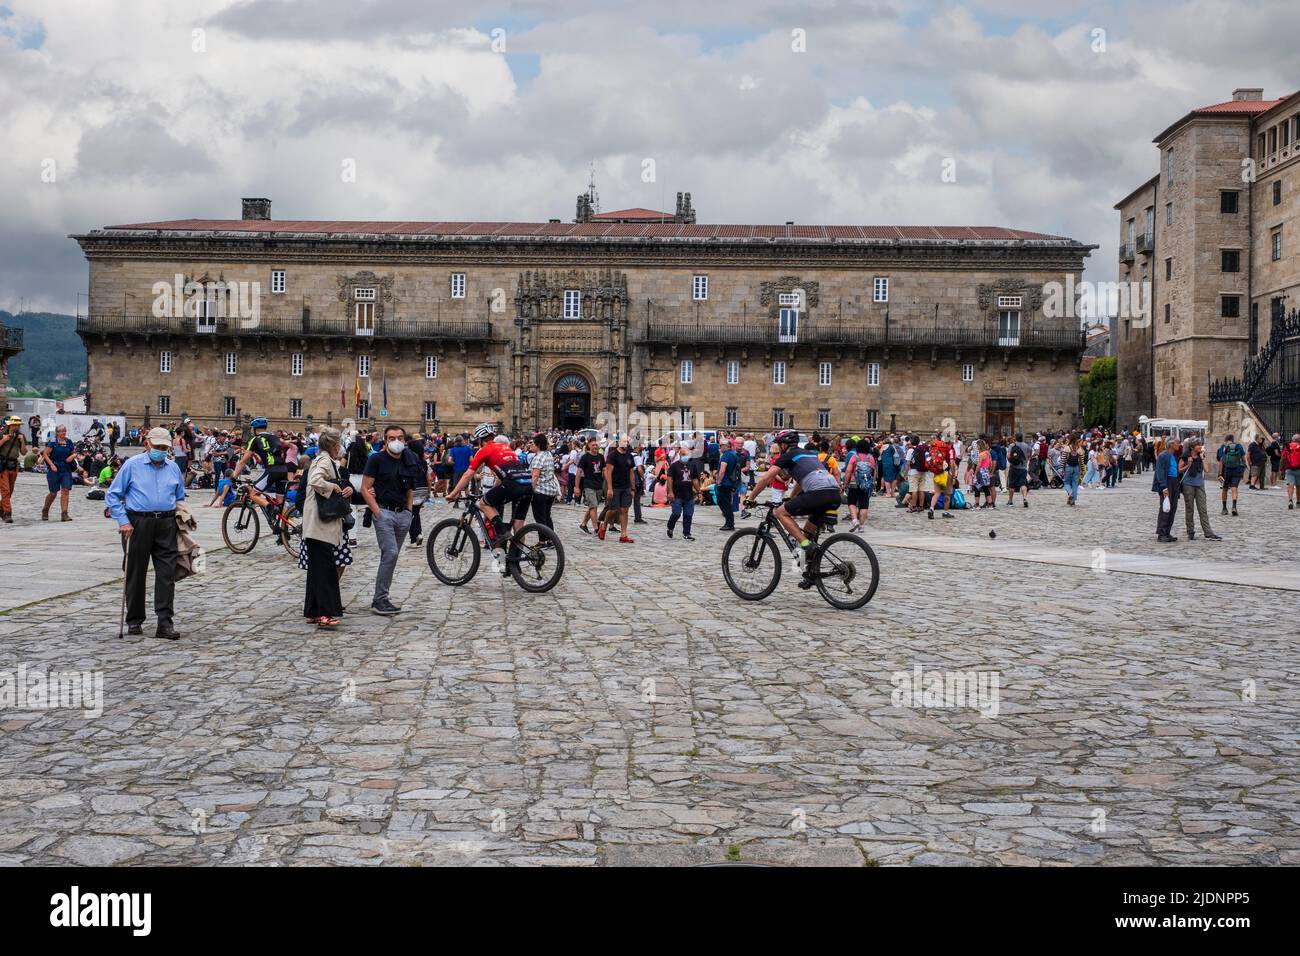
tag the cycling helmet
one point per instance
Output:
(786, 436)
(483, 431)
(257, 423)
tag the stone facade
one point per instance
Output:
(504, 350)
(1139, 228)
(1197, 338)
(11, 343)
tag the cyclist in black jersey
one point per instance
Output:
(265, 447)
(815, 490)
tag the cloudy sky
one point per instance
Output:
(766, 110)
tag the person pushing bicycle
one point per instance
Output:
(514, 481)
(815, 490)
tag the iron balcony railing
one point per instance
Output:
(11, 339)
(832, 333)
(1146, 243)
(1126, 253)
(294, 327)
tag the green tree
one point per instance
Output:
(1097, 393)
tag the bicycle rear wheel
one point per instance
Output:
(240, 527)
(453, 552)
(847, 572)
(535, 558)
(751, 565)
(291, 535)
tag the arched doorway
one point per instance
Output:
(572, 402)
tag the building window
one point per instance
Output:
(363, 409)
(1277, 192)
(1169, 214)
(1010, 301)
(572, 304)
(295, 408)
(1169, 167)
(430, 411)
(688, 371)
(364, 295)
(873, 418)
(1277, 245)
(788, 328)
(458, 285)
(165, 362)
(277, 280)
(823, 418)
(684, 416)
(1254, 328)
(778, 418)
(731, 418)
(1228, 201)
(880, 289)
(232, 363)
(1272, 140)
(1231, 307)
(363, 366)
(228, 404)
(700, 288)
(164, 404)
(1260, 141)
(968, 373)
(365, 315)
(1284, 130)
(1009, 327)
(295, 364)
(733, 373)
(1229, 260)
(778, 373)
(1169, 269)
(873, 373)
(824, 373)
(430, 367)
(1167, 313)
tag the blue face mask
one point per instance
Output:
(156, 455)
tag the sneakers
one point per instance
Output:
(584, 529)
(417, 542)
(386, 609)
(66, 517)
(1212, 537)
(640, 521)
(948, 515)
(930, 515)
(687, 537)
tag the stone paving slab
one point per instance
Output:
(639, 713)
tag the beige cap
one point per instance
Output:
(159, 436)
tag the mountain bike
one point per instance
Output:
(241, 525)
(843, 566)
(533, 556)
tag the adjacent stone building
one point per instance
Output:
(1210, 232)
(11, 343)
(447, 324)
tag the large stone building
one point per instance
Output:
(11, 343)
(446, 324)
(1214, 231)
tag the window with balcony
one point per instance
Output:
(1009, 327)
(778, 373)
(277, 281)
(700, 288)
(688, 371)
(232, 363)
(823, 418)
(873, 373)
(206, 315)
(788, 325)
(1228, 201)
(228, 405)
(572, 304)
(431, 366)
(1261, 144)
(880, 289)
(1229, 260)
(164, 404)
(733, 373)
(732, 417)
(295, 408)
(1272, 141)
(824, 373)
(458, 285)
(364, 311)
(363, 366)
(1230, 306)
(295, 364)
(165, 362)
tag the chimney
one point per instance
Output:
(257, 208)
(1248, 93)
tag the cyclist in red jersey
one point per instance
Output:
(514, 481)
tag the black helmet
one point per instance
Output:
(786, 436)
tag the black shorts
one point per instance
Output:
(1231, 477)
(857, 497)
(813, 502)
(1017, 478)
(520, 496)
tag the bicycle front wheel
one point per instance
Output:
(240, 527)
(847, 572)
(453, 552)
(751, 564)
(535, 558)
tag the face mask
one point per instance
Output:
(396, 447)
(155, 455)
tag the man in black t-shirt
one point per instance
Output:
(685, 486)
(620, 465)
(388, 486)
(591, 474)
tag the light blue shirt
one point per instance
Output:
(141, 485)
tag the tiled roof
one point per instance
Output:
(1242, 108)
(637, 212)
(592, 230)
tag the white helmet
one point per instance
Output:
(483, 431)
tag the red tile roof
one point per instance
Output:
(1243, 108)
(592, 230)
(637, 212)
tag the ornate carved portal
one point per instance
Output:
(1031, 295)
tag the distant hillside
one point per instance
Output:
(53, 360)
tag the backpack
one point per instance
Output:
(268, 447)
(1292, 456)
(958, 499)
(918, 459)
(1233, 459)
(937, 460)
(1017, 456)
(864, 476)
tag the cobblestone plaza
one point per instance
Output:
(1146, 702)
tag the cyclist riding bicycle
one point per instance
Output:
(815, 492)
(265, 447)
(514, 481)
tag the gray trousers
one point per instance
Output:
(1194, 499)
(390, 533)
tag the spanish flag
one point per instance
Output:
(356, 397)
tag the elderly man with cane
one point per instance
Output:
(142, 499)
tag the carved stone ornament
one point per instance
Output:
(383, 286)
(1031, 294)
(658, 387)
(770, 292)
(482, 385)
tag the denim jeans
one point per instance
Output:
(390, 531)
(1072, 481)
(683, 508)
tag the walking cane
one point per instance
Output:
(121, 623)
